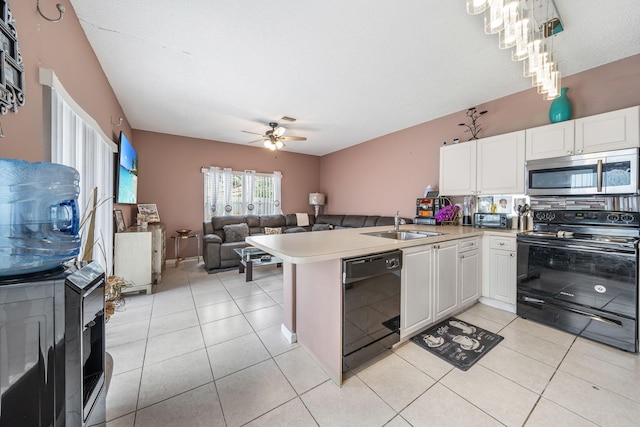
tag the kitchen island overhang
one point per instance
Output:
(312, 280)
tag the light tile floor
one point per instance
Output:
(206, 350)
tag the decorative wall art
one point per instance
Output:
(12, 69)
(119, 219)
(148, 213)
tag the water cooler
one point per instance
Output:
(52, 356)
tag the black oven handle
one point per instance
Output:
(576, 311)
(622, 251)
(594, 249)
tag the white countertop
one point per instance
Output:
(315, 246)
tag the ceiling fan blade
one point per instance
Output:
(253, 133)
(279, 131)
(257, 140)
(293, 138)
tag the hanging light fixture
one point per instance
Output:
(526, 27)
(477, 6)
(493, 17)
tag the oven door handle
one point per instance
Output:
(576, 311)
(595, 317)
(597, 250)
(622, 251)
(534, 300)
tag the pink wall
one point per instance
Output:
(377, 177)
(388, 173)
(170, 177)
(62, 47)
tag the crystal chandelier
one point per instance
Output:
(525, 27)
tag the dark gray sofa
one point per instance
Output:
(218, 252)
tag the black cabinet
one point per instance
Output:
(31, 364)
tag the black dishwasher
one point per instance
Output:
(370, 306)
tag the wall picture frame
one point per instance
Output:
(118, 217)
(149, 211)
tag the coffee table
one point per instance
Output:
(253, 257)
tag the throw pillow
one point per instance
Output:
(295, 230)
(321, 227)
(235, 232)
(302, 219)
(273, 230)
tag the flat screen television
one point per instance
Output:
(127, 173)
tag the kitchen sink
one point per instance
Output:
(403, 235)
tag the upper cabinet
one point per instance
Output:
(615, 130)
(458, 169)
(554, 140)
(493, 165)
(609, 131)
(501, 164)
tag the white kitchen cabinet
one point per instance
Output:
(458, 164)
(446, 283)
(493, 165)
(417, 289)
(438, 280)
(615, 130)
(499, 281)
(554, 140)
(470, 271)
(139, 256)
(501, 164)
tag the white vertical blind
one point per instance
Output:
(78, 144)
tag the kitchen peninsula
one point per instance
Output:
(312, 277)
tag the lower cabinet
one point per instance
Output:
(417, 289)
(470, 272)
(499, 282)
(438, 280)
(140, 256)
(447, 298)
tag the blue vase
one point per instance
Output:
(560, 109)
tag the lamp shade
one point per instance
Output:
(316, 199)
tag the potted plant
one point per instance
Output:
(448, 215)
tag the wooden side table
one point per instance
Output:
(177, 239)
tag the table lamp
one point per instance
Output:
(317, 200)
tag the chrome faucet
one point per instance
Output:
(396, 221)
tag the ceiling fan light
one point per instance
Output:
(279, 144)
(279, 131)
(267, 143)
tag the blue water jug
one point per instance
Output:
(39, 218)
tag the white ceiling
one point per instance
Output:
(349, 71)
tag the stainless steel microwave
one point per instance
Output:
(611, 172)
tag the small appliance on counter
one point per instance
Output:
(427, 207)
(492, 220)
(467, 209)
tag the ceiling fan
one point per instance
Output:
(273, 138)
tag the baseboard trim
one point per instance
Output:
(498, 304)
(290, 336)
